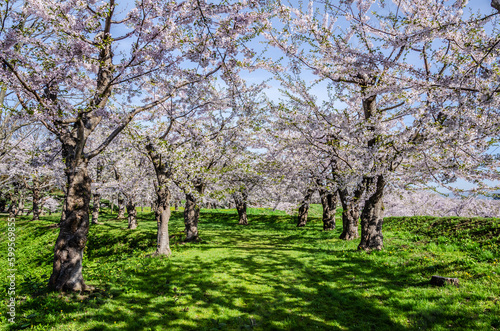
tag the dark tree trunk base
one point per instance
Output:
(329, 203)
(132, 215)
(304, 209)
(328, 226)
(349, 236)
(240, 200)
(191, 218)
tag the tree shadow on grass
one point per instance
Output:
(279, 280)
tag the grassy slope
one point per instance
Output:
(268, 275)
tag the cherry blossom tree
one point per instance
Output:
(95, 64)
(387, 111)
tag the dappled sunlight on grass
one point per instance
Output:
(267, 275)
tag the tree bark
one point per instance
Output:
(14, 205)
(176, 205)
(350, 214)
(132, 214)
(304, 209)
(3, 202)
(97, 196)
(191, 217)
(95, 208)
(240, 200)
(121, 208)
(372, 215)
(329, 202)
(192, 213)
(20, 208)
(36, 199)
(74, 227)
(162, 208)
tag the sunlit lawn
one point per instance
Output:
(268, 275)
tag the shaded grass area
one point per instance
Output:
(268, 275)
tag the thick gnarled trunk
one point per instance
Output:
(350, 214)
(372, 215)
(329, 203)
(132, 214)
(191, 217)
(304, 209)
(240, 199)
(74, 227)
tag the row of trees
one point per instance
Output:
(151, 103)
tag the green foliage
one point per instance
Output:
(268, 275)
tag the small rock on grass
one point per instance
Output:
(441, 281)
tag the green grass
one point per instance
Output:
(268, 275)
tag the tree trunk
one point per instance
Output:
(74, 227)
(372, 215)
(176, 205)
(132, 214)
(240, 200)
(329, 202)
(162, 214)
(121, 208)
(63, 210)
(3, 203)
(192, 212)
(112, 204)
(20, 207)
(36, 199)
(97, 196)
(15, 201)
(191, 217)
(162, 210)
(304, 209)
(96, 208)
(350, 214)
(14, 205)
